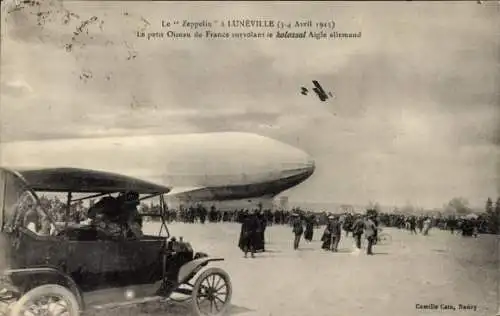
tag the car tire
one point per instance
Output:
(47, 290)
(198, 286)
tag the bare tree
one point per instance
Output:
(458, 205)
(408, 209)
(374, 206)
(493, 215)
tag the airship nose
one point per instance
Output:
(310, 166)
(299, 164)
(296, 173)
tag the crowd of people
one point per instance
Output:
(254, 223)
(121, 217)
(302, 222)
(200, 214)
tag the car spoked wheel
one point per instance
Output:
(46, 300)
(212, 293)
(45, 306)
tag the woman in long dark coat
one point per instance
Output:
(327, 237)
(249, 235)
(308, 234)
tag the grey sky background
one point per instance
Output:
(414, 118)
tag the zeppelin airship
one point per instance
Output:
(198, 167)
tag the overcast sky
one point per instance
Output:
(416, 97)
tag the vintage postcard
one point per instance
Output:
(249, 158)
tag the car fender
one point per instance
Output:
(19, 275)
(188, 270)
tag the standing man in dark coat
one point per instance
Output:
(202, 213)
(259, 241)
(298, 229)
(413, 225)
(357, 230)
(420, 224)
(249, 234)
(347, 224)
(370, 233)
(327, 237)
(336, 233)
(451, 223)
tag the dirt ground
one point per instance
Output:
(413, 269)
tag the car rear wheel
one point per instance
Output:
(49, 299)
(212, 293)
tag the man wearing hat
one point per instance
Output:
(357, 230)
(129, 216)
(298, 229)
(370, 232)
(327, 237)
(336, 233)
(104, 214)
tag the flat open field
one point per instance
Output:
(435, 269)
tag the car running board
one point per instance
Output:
(129, 302)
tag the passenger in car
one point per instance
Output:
(33, 218)
(28, 214)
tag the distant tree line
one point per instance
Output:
(493, 215)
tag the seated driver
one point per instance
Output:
(103, 215)
(129, 214)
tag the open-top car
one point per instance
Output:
(63, 268)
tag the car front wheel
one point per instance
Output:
(212, 292)
(49, 299)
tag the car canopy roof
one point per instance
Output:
(79, 180)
